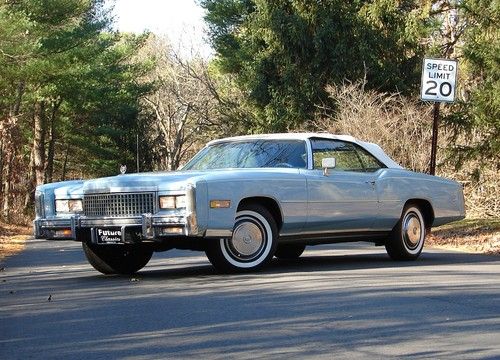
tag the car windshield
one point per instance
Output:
(250, 154)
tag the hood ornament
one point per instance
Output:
(123, 169)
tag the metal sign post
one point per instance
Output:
(439, 77)
(435, 127)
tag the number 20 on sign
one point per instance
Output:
(439, 78)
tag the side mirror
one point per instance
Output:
(328, 163)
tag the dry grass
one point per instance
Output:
(399, 125)
(13, 238)
(470, 235)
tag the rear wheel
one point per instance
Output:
(117, 259)
(252, 244)
(406, 240)
(289, 251)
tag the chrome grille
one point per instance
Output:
(120, 204)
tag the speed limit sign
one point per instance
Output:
(439, 77)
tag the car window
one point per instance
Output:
(370, 163)
(250, 154)
(348, 156)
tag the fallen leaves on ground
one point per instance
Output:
(471, 235)
(12, 238)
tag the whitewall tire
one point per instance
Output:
(408, 236)
(252, 244)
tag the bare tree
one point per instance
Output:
(183, 109)
(399, 125)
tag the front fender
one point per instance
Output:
(289, 194)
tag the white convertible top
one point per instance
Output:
(372, 148)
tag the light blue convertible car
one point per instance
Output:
(245, 199)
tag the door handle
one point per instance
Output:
(372, 183)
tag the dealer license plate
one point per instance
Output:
(108, 235)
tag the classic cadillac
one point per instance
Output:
(243, 200)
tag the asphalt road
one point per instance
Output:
(342, 301)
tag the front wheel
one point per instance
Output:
(406, 240)
(117, 259)
(252, 244)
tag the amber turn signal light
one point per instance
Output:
(220, 204)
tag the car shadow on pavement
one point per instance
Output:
(314, 261)
(62, 256)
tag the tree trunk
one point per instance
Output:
(65, 164)
(29, 197)
(10, 136)
(6, 187)
(49, 174)
(39, 142)
(9, 131)
(49, 167)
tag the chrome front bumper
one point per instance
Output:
(149, 226)
(152, 226)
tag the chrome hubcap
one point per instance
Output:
(247, 240)
(412, 230)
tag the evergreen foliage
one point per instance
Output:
(69, 93)
(284, 53)
(478, 111)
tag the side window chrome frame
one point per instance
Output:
(357, 148)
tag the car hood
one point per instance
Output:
(176, 180)
(154, 181)
(62, 189)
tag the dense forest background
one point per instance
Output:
(78, 99)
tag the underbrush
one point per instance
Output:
(471, 235)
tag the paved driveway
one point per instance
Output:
(343, 301)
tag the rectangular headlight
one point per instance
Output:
(75, 205)
(173, 202)
(180, 201)
(69, 206)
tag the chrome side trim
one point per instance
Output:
(334, 232)
(218, 233)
